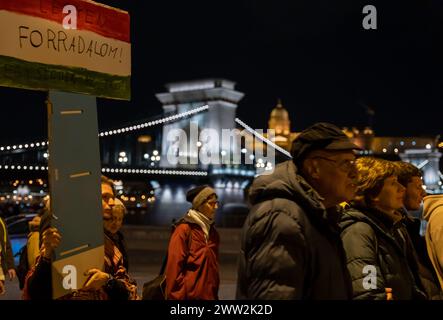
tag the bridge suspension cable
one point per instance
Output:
(37, 145)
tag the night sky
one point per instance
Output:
(314, 55)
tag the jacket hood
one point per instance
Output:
(284, 182)
(430, 204)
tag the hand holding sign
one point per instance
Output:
(51, 239)
(96, 279)
(12, 274)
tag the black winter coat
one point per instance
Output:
(291, 246)
(371, 239)
(426, 270)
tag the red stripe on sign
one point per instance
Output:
(91, 16)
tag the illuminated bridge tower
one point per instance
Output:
(222, 99)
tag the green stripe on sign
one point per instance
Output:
(38, 76)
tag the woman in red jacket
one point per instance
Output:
(192, 271)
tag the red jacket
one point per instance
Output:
(193, 276)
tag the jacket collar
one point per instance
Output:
(375, 218)
(285, 182)
(378, 218)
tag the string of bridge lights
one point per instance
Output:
(113, 170)
(24, 167)
(154, 122)
(132, 128)
(156, 172)
(24, 146)
(32, 145)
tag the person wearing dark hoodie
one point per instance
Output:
(192, 269)
(379, 252)
(410, 177)
(433, 214)
(291, 246)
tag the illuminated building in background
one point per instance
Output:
(280, 123)
(420, 151)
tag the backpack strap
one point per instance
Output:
(189, 240)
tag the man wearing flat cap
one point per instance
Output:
(291, 246)
(192, 269)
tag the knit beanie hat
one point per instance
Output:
(198, 195)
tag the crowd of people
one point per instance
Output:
(324, 225)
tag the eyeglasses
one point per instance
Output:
(344, 165)
(213, 203)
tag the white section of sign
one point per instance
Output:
(80, 263)
(38, 40)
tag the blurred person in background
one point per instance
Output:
(433, 214)
(410, 177)
(7, 267)
(113, 226)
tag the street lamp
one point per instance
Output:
(122, 157)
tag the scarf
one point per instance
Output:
(203, 221)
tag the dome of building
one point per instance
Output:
(279, 120)
(279, 113)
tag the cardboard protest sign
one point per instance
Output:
(37, 52)
(75, 186)
(81, 49)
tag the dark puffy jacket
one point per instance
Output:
(426, 271)
(291, 246)
(370, 239)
